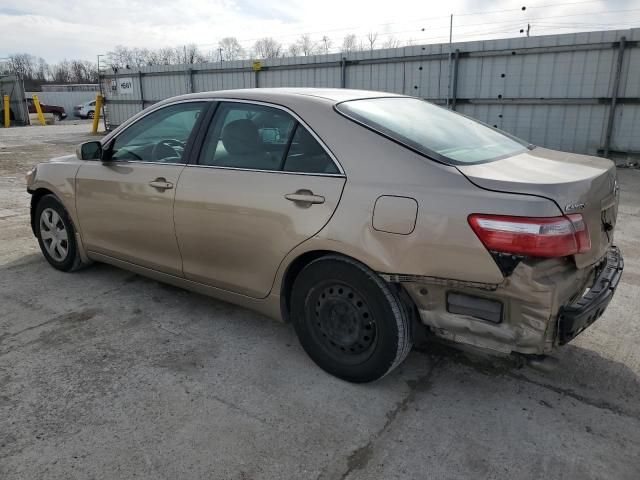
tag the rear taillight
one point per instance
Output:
(535, 237)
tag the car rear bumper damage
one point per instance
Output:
(577, 316)
(538, 307)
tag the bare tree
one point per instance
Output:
(307, 45)
(168, 56)
(326, 44)
(36, 71)
(192, 54)
(372, 37)
(293, 50)
(154, 58)
(42, 72)
(22, 64)
(267, 47)
(392, 42)
(231, 49)
(120, 57)
(61, 72)
(81, 71)
(350, 43)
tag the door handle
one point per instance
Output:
(161, 184)
(305, 196)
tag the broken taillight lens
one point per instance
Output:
(532, 236)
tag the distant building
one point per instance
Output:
(72, 87)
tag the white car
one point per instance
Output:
(86, 110)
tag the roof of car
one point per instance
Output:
(271, 94)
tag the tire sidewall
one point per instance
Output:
(49, 201)
(385, 352)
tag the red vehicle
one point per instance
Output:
(58, 112)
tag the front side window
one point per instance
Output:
(160, 136)
(434, 131)
(258, 137)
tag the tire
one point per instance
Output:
(348, 320)
(50, 217)
(58, 117)
(91, 114)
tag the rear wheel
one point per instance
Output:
(91, 114)
(349, 321)
(56, 235)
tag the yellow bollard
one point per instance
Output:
(36, 102)
(96, 113)
(7, 111)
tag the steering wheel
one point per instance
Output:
(164, 149)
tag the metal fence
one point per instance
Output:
(576, 92)
(12, 85)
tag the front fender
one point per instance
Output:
(57, 178)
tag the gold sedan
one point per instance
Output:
(365, 218)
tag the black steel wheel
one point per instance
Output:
(349, 321)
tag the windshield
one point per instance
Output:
(434, 131)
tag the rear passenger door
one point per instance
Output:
(263, 184)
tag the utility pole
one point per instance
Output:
(449, 64)
(220, 50)
(528, 28)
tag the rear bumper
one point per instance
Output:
(577, 316)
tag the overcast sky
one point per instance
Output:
(58, 29)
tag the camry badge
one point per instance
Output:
(572, 207)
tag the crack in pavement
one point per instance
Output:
(359, 458)
(506, 366)
(601, 404)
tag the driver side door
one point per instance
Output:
(125, 201)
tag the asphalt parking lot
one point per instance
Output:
(106, 374)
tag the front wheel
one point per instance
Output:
(349, 321)
(58, 117)
(56, 234)
(91, 114)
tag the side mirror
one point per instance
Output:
(89, 151)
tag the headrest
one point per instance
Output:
(241, 137)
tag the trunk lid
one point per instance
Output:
(576, 183)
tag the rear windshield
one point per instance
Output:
(439, 133)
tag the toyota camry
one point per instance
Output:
(364, 218)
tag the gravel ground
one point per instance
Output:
(105, 374)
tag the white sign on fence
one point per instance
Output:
(125, 86)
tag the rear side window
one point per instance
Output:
(307, 155)
(258, 137)
(434, 131)
(248, 136)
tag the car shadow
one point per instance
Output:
(582, 373)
